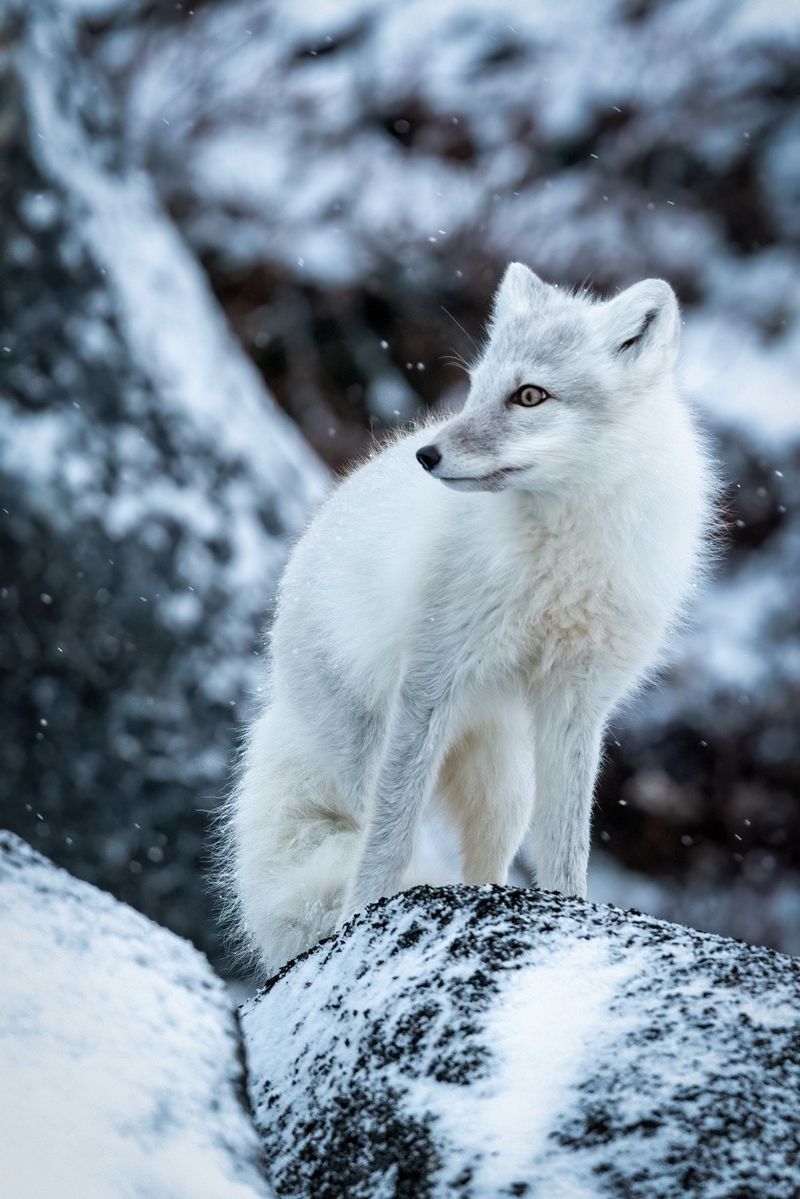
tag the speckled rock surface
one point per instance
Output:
(484, 1042)
(119, 1055)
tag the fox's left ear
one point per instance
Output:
(643, 323)
(518, 292)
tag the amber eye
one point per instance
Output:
(529, 395)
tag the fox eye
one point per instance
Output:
(529, 395)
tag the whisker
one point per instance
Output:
(454, 353)
(461, 327)
(457, 361)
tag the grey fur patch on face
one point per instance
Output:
(550, 350)
(553, 339)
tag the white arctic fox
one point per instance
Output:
(464, 613)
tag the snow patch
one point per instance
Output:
(118, 1051)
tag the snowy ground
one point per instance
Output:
(119, 1053)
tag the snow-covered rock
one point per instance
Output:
(148, 487)
(119, 1051)
(485, 1041)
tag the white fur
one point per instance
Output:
(466, 643)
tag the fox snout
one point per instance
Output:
(464, 458)
(428, 457)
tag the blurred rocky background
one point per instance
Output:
(244, 239)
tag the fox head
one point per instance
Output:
(561, 391)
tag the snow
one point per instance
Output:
(487, 1041)
(119, 1051)
(172, 325)
(738, 385)
(287, 149)
(564, 998)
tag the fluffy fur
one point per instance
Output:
(461, 636)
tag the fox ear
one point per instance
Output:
(518, 290)
(642, 321)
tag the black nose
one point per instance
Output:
(429, 457)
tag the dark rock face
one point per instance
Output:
(147, 488)
(494, 1041)
(119, 1051)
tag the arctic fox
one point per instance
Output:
(464, 613)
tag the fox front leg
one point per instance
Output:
(412, 754)
(568, 739)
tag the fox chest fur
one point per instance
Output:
(528, 599)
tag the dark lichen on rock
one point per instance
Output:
(500, 1041)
